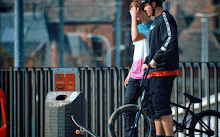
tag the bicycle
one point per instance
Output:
(198, 123)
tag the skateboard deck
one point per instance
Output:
(82, 127)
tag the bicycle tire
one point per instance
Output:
(201, 118)
(115, 124)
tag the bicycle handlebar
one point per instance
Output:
(146, 71)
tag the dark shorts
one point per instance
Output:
(160, 89)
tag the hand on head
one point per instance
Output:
(134, 11)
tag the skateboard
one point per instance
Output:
(82, 129)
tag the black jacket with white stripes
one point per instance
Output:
(163, 41)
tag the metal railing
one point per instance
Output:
(103, 89)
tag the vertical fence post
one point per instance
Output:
(216, 94)
(15, 101)
(208, 85)
(50, 88)
(200, 84)
(93, 100)
(87, 104)
(23, 101)
(42, 98)
(18, 111)
(115, 88)
(121, 87)
(33, 102)
(97, 94)
(192, 81)
(216, 85)
(108, 93)
(101, 102)
(176, 100)
(200, 87)
(184, 87)
(105, 71)
(27, 117)
(208, 89)
(11, 133)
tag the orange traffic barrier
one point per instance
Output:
(3, 129)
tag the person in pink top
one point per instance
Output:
(140, 38)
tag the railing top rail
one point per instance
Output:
(187, 64)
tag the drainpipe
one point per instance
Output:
(205, 45)
(118, 32)
(18, 34)
(61, 16)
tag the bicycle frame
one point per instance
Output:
(139, 111)
(182, 126)
(146, 71)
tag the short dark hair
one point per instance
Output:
(158, 2)
(137, 4)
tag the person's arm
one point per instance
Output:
(128, 78)
(169, 37)
(135, 35)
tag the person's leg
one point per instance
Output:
(156, 131)
(161, 102)
(159, 127)
(167, 122)
(131, 96)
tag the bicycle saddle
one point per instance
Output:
(192, 98)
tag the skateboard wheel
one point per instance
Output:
(77, 132)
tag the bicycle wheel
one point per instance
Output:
(205, 124)
(117, 122)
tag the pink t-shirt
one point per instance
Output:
(141, 51)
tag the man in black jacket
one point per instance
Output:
(163, 42)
